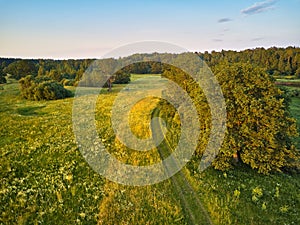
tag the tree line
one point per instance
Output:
(275, 61)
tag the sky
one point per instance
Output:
(64, 29)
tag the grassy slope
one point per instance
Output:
(44, 178)
(155, 204)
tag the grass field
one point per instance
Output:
(288, 82)
(45, 179)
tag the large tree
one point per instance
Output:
(259, 126)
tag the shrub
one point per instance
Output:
(2, 77)
(121, 77)
(42, 88)
(2, 80)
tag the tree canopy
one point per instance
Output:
(21, 68)
(275, 61)
(259, 127)
(42, 88)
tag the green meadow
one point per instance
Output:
(46, 180)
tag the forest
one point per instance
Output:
(278, 62)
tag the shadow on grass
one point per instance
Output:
(30, 110)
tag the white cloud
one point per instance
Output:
(258, 7)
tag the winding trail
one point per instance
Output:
(192, 207)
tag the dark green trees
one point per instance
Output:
(2, 77)
(121, 77)
(42, 88)
(275, 61)
(21, 69)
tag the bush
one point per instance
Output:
(42, 88)
(121, 77)
(2, 77)
(2, 80)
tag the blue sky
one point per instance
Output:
(85, 29)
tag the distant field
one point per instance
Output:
(288, 82)
(45, 179)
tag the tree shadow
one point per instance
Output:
(30, 111)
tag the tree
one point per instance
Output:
(121, 77)
(21, 69)
(42, 88)
(41, 70)
(259, 127)
(2, 77)
(55, 75)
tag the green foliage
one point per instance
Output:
(67, 82)
(2, 77)
(259, 126)
(121, 77)
(42, 88)
(21, 69)
(246, 197)
(97, 79)
(147, 67)
(55, 75)
(45, 179)
(2, 80)
(275, 61)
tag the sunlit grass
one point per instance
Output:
(45, 180)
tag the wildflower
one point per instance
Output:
(258, 192)
(284, 208)
(254, 198)
(264, 206)
(276, 195)
(236, 193)
(59, 197)
(69, 177)
(73, 190)
(82, 215)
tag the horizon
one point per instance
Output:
(88, 30)
(29, 58)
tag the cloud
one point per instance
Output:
(217, 40)
(258, 7)
(224, 20)
(257, 39)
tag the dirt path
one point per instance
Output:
(192, 207)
